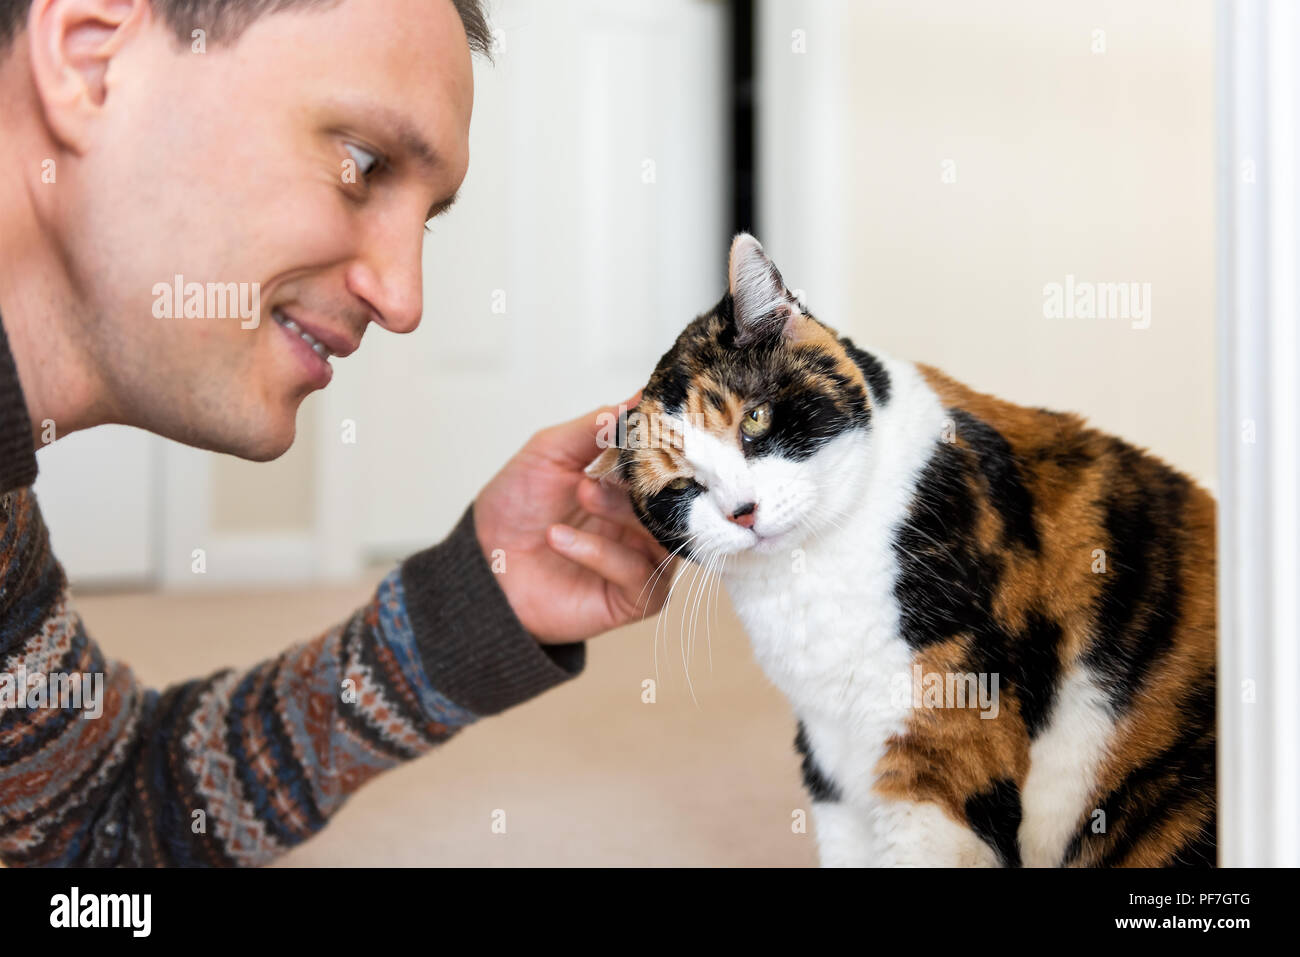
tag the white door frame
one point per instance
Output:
(1258, 93)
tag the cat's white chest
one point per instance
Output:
(823, 623)
(824, 620)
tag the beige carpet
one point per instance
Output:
(587, 774)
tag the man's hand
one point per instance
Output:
(578, 562)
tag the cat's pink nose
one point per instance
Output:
(744, 516)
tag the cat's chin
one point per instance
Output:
(757, 547)
(771, 544)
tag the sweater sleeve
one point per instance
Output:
(238, 767)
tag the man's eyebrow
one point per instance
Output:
(405, 134)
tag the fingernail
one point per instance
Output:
(562, 536)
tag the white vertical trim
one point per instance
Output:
(1259, 363)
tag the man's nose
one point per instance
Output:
(745, 515)
(392, 282)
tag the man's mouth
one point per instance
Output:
(315, 344)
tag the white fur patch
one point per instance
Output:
(1063, 765)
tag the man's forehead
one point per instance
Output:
(409, 59)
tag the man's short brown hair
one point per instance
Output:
(225, 20)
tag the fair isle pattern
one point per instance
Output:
(233, 769)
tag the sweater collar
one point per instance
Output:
(17, 454)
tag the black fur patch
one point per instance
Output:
(995, 816)
(819, 786)
(671, 385)
(803, 420)
(877, 378)
(1034, 670)
(663, 515)
(1007, 490)
(1139, 605)
(945, 586)
(946, 583)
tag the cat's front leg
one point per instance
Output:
(844, 837)
(896, 834)
(922, 834)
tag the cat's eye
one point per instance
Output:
(757, 421)
(681, 484)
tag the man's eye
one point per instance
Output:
(366, 161)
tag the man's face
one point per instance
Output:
(289, 160)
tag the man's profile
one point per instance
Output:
(295, 148)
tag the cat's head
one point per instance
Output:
(745, 434)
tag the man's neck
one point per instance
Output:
(55, 387)
(60, 385)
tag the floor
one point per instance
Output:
(587, 774)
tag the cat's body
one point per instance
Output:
(894, 780)
(896, 544)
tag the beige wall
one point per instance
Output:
(1067, 162)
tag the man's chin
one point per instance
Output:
(260, 442)
(264, 452)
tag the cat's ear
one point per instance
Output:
(760, 302)
(604, 468)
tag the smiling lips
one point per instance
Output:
(315, 345)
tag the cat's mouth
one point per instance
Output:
(768, 540)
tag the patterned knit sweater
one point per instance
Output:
(234, 768)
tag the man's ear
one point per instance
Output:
(71, 44)
(760, 302)
(604, 468)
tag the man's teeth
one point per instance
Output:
(317, 346)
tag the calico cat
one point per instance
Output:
(996, 625)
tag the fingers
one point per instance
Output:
(607, 502)
(625, 567)
(612, 507)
